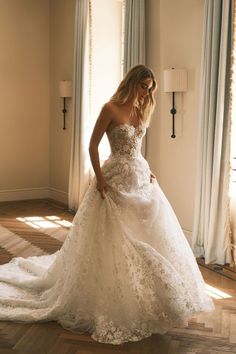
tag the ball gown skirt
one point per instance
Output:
(125, 269)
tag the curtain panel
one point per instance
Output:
(79, 161)
(134, 41)
(211, 236)
(134, 36)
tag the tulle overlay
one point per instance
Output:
(125, 270)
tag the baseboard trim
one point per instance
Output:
(33, 193)
(58, 195)
(23, 193)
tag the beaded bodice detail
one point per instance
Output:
(126, 140)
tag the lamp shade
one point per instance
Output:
(65, 88)
(175, 80)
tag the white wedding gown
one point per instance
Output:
(125, 270)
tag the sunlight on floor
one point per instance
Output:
(38, 222)
(216, 293)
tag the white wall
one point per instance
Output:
(36, 39)
(36, 43)
(174, 37)
(24, 98)
(62, 13)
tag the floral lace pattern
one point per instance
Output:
(125, 270)
(128, 139)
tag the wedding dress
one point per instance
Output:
(125, 270)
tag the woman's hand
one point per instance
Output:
(152, 176)
(102, 186)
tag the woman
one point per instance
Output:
(125, 270)
(132, 104)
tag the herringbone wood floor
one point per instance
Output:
(205, 334)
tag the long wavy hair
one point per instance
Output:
(128, 91)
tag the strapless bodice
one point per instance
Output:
(125, 140)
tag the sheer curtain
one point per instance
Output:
(79, 162)
(106, 58)
(134, 36)
(233, 142)
(211, 237)
(88, 71)
(134, 41)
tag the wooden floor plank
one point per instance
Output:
(207, 333)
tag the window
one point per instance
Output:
(107, 52)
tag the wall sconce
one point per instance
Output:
(175, 80)
(65, 91)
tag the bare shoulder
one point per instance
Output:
(109, 113)
(109, 108)
(115, 111)
(105, 119)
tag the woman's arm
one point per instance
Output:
(102, 123)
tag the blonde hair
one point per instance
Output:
(128, 90)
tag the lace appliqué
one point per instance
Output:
(125, 270)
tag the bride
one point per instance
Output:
(125, 270)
